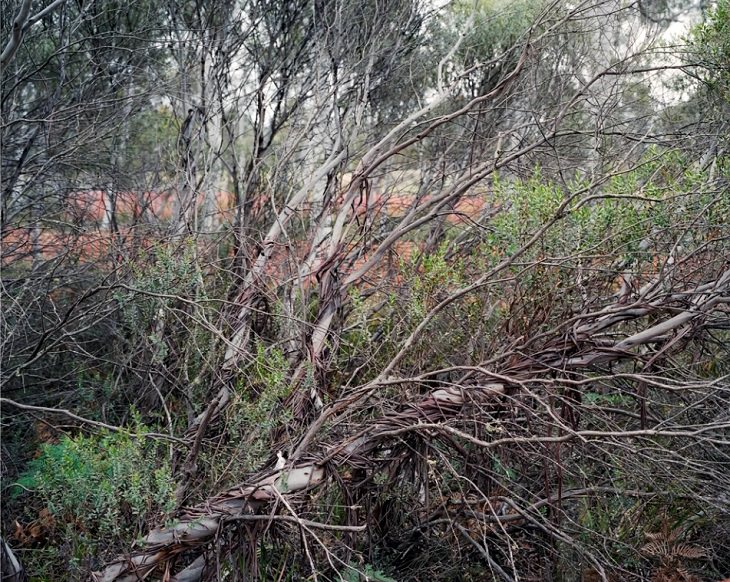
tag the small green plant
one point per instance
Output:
(174, 272)
(257, 409)
(366, 573)
(431, 276)
(91, 491)
(107, 484)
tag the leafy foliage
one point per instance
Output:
(97, 489)
(712, 43)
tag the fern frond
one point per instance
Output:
(655, 549)
(688, 551)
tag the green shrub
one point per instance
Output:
(256, 407)
(98, 489)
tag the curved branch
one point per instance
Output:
(21, 24)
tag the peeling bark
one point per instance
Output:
(198, 526)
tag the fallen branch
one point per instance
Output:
(198, 526)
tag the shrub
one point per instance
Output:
(92, 491)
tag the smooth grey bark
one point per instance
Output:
(21, 24)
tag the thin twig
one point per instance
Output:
(88, 421)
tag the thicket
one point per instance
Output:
(365, 291)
